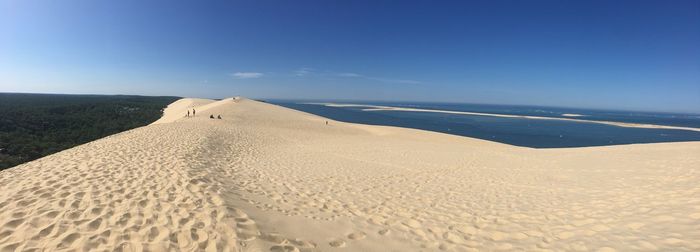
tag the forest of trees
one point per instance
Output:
(36, 125)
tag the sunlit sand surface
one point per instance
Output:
(267, 178)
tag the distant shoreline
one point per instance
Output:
(619, 124)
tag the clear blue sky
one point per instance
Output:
(638, 55)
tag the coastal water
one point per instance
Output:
(534, 133)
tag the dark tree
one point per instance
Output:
(36, 125)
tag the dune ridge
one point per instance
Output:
(267, 178)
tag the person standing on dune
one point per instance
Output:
(188, 113)
(194, 112)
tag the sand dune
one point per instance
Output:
(267, 178)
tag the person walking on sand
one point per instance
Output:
(194, 112)
(188, 113)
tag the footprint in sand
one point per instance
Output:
(337, 243)
(13, 223)
(452, 238)
(283, 248)
(273, 237)
(357, 236)
(11, 247)
(412, 223)
(95, 224)
(68, 240)
(303, 244)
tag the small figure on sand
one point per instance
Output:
(193, 112)
(218, 117)
(188, 113)
(211, 116)
(326, 122)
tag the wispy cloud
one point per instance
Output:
(247, 75)
(400, 81)
(385, 80)
(305, 71)
(354, 75)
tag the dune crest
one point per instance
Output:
(267, 178)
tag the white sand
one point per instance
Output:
(572, 115)
(267, 178)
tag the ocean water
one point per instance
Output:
(533, 133)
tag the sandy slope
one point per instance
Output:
(269, 178)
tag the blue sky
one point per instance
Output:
(636, 55)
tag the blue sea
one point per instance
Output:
(533, 133)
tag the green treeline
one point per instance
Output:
(36, 125)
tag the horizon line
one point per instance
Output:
(375, 100)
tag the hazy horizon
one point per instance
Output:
(623, 55)
(371, 100)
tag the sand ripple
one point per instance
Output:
(270, 179)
